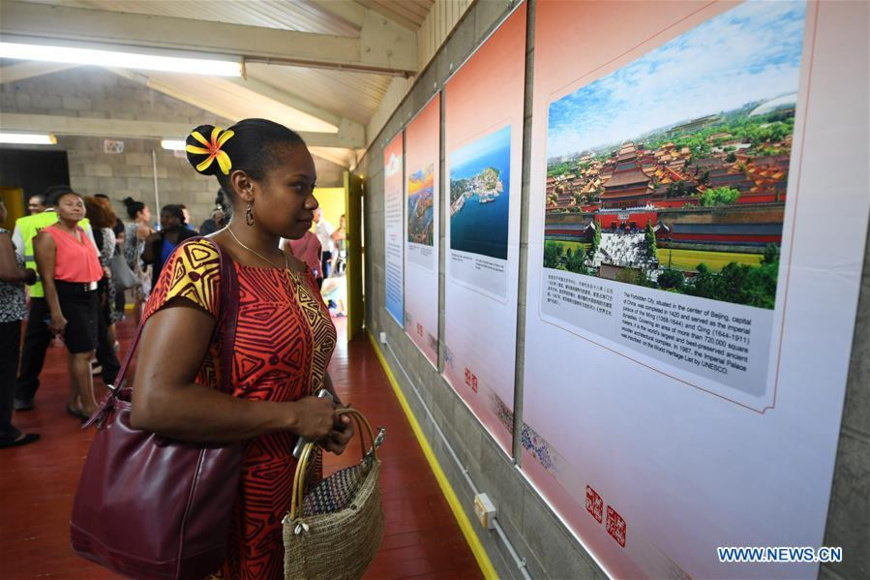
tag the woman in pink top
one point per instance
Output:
(307, 248)
(70, 268)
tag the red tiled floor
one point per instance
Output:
(37, 482)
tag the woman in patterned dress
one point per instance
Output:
(102, 218)
(284, 336)
(13, 309)
(137, 230)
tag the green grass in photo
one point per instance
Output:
(689, 259)
(570, 245)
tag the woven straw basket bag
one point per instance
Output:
(335, 530)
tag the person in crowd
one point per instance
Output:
(120, 300)
(220, 215)
(69, 265)
(213, 223)
(137, 230)
(36, 204)
(334, 291)
(13, 308)
(269, 175)
(102, 218)
(339, 240)
(186, 213)
(160, 245)
(37, 336)
(324, 230)
(307, 249)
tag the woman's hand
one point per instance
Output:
(57, 325)
(143, 231)
(314, 418)
(342, 432)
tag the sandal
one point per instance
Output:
(21, 439)
(77, 413)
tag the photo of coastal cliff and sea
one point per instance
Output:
(421, 213)
(479, 195)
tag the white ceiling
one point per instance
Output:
(280, 14)
(353, 95)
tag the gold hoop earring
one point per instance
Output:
(249, 214)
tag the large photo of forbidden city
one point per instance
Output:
(672, 171)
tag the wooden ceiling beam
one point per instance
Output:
(120, 128)
(386, 49)
(31, 69)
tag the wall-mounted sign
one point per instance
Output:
(422, 148)
(113, 147)
(393, 227)
(687, 333)
(483, 155)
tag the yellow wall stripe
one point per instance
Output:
(464, 523)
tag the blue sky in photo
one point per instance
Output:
(750, 53)
(491, 143)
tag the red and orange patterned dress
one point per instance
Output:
(284, 340)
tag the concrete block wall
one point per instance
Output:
(92, 92)
(549, 549)
(131, 173)
(849, 509)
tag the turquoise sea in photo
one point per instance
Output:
(481, 228)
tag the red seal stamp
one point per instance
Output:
(616, 526)
(594, 504)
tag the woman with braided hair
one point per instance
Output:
(284, 335)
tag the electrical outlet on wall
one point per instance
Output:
(383, 337)
(485, 511)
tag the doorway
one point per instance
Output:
(24, 173)
(354, 190)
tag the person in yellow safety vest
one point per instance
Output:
(37, 336)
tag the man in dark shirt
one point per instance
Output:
(220, 215)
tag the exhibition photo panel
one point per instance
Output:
(483, 156)
(422, 155)
(681, 314)
(394, 228)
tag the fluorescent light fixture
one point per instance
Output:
(173, 144)
(28, 138)
(111, 58)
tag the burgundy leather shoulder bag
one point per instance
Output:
(150, 507)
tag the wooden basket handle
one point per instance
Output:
(302, 466)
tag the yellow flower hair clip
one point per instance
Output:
(212, 149)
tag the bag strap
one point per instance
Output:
(229, 319)
(226, 329)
